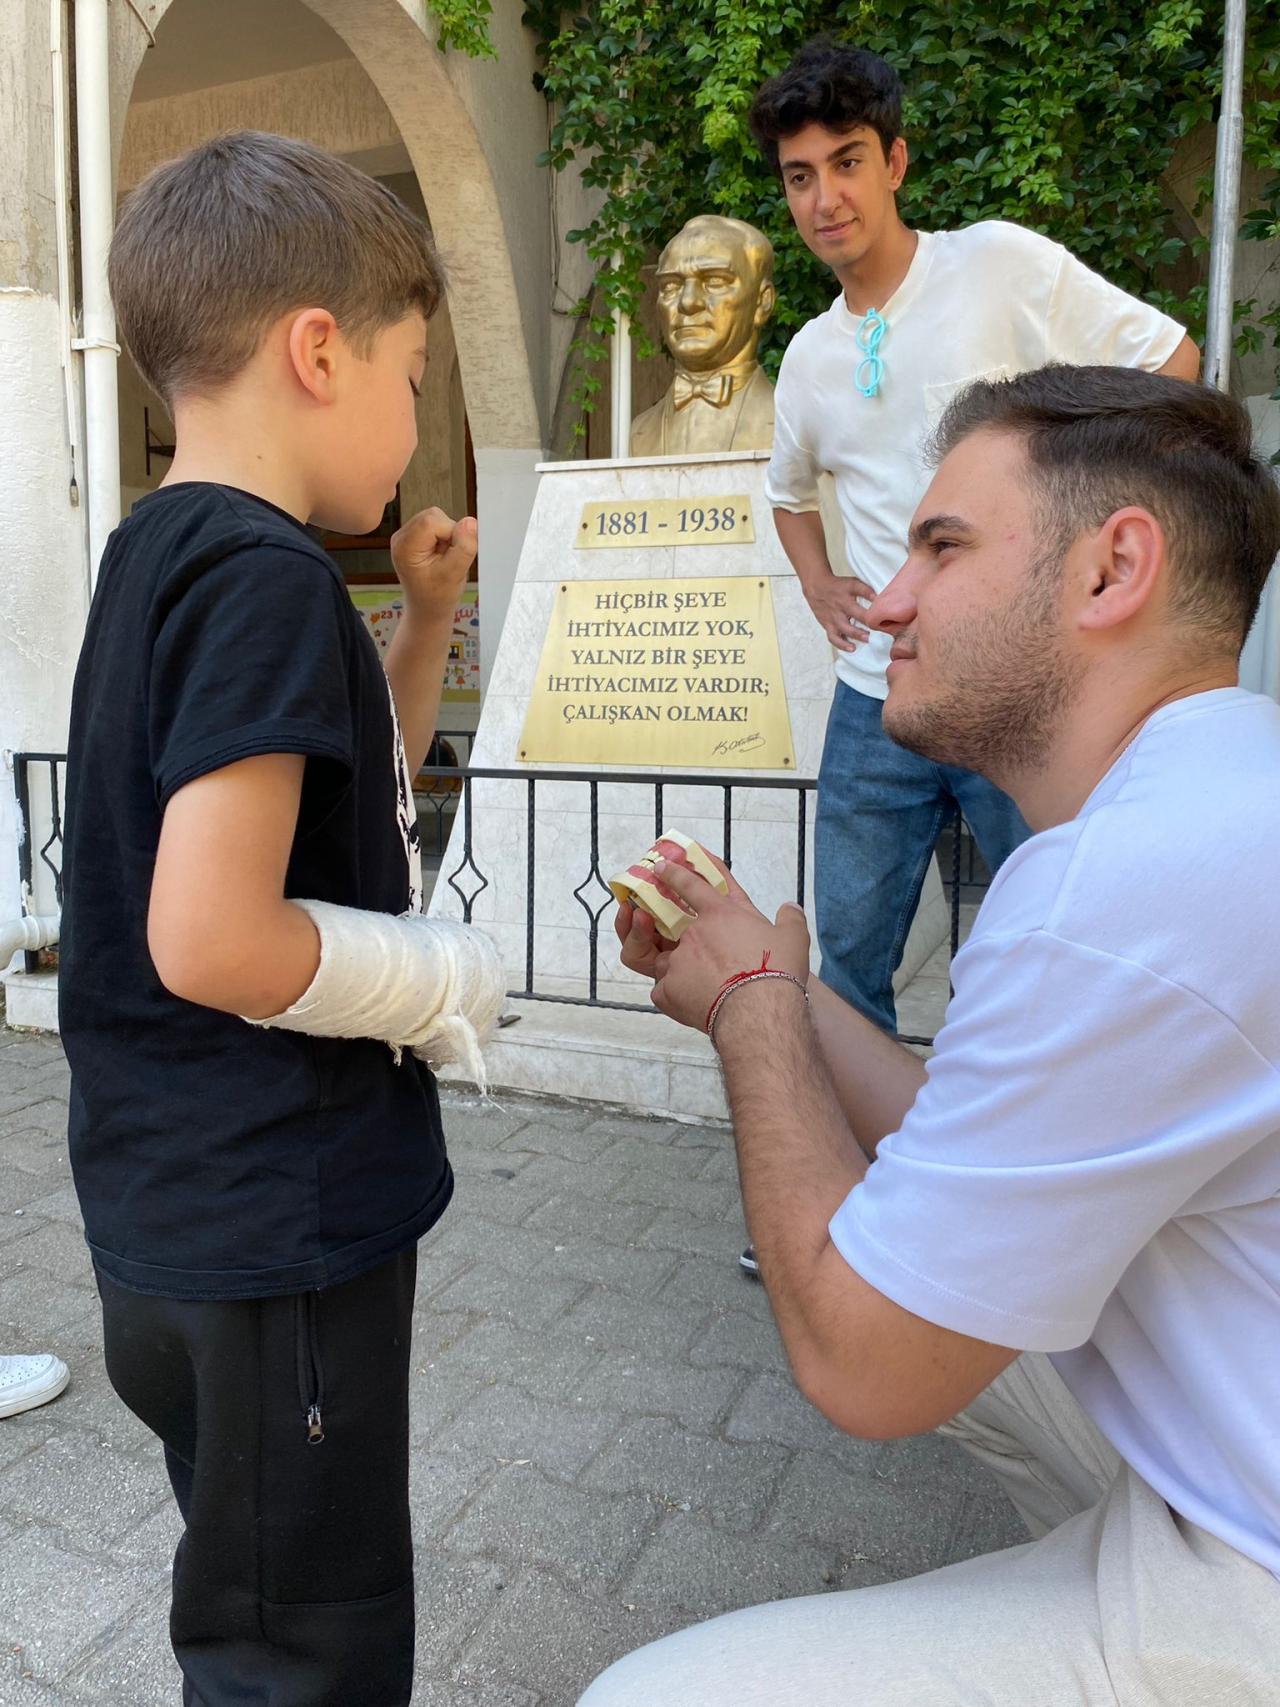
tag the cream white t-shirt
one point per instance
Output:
(1092, 1167)
(989, 301)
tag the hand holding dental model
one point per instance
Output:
(686, 923)
(638, 886)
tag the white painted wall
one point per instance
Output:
(43, 563)
(1260, 660)
(506, 485)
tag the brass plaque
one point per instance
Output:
(630, 526)
(678, 673)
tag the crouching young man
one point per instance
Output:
(1060, 1240)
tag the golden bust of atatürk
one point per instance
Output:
(715, 292)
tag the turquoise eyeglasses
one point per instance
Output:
(870, 370)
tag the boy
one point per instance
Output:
(254, 1164)
(918, 316)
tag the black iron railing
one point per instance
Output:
(27, 770)
(592, 893)
(469, 880)
(437, 787)
(40, 810)
(39, 780)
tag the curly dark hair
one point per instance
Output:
(828, 83)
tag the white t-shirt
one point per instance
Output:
(1092, 1167)
(988, 301)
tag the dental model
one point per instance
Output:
(638, 885)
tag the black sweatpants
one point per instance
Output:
(285, 1424)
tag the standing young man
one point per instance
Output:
(919, 315)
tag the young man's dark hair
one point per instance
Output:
(1101, 438)
(832, 84)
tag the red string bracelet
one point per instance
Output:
(750, 977)
(728, 985)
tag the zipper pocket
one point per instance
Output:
(310, 1368)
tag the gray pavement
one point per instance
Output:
(606, 1442)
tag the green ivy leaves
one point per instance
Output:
(464, 24)
(1062, 115)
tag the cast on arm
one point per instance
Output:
(434, 986)
(222, 934)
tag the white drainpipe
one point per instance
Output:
(97, 217)
(63, 241)
(30, 933)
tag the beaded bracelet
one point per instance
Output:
(736, 983)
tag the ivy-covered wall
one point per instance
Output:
(1065, 116)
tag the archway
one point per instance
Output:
(378, 91)
(390, 43)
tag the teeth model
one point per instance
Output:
(638, 885)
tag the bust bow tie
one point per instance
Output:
(714, 388)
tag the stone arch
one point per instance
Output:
(389, 39)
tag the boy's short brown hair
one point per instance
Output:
(211, 248)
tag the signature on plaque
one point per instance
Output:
(742, 744)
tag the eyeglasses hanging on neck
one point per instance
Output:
(870, 370)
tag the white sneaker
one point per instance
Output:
(26, 1382)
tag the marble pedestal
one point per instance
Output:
(643, 1061)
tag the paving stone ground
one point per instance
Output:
(606, 1442)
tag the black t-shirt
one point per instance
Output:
(214, 1159)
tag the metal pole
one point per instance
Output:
(620, 381)
(1226, 201)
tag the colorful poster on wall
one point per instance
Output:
(380, 609)
(462, 672)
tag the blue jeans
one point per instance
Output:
(880, 811)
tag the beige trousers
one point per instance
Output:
(1116, 1603)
